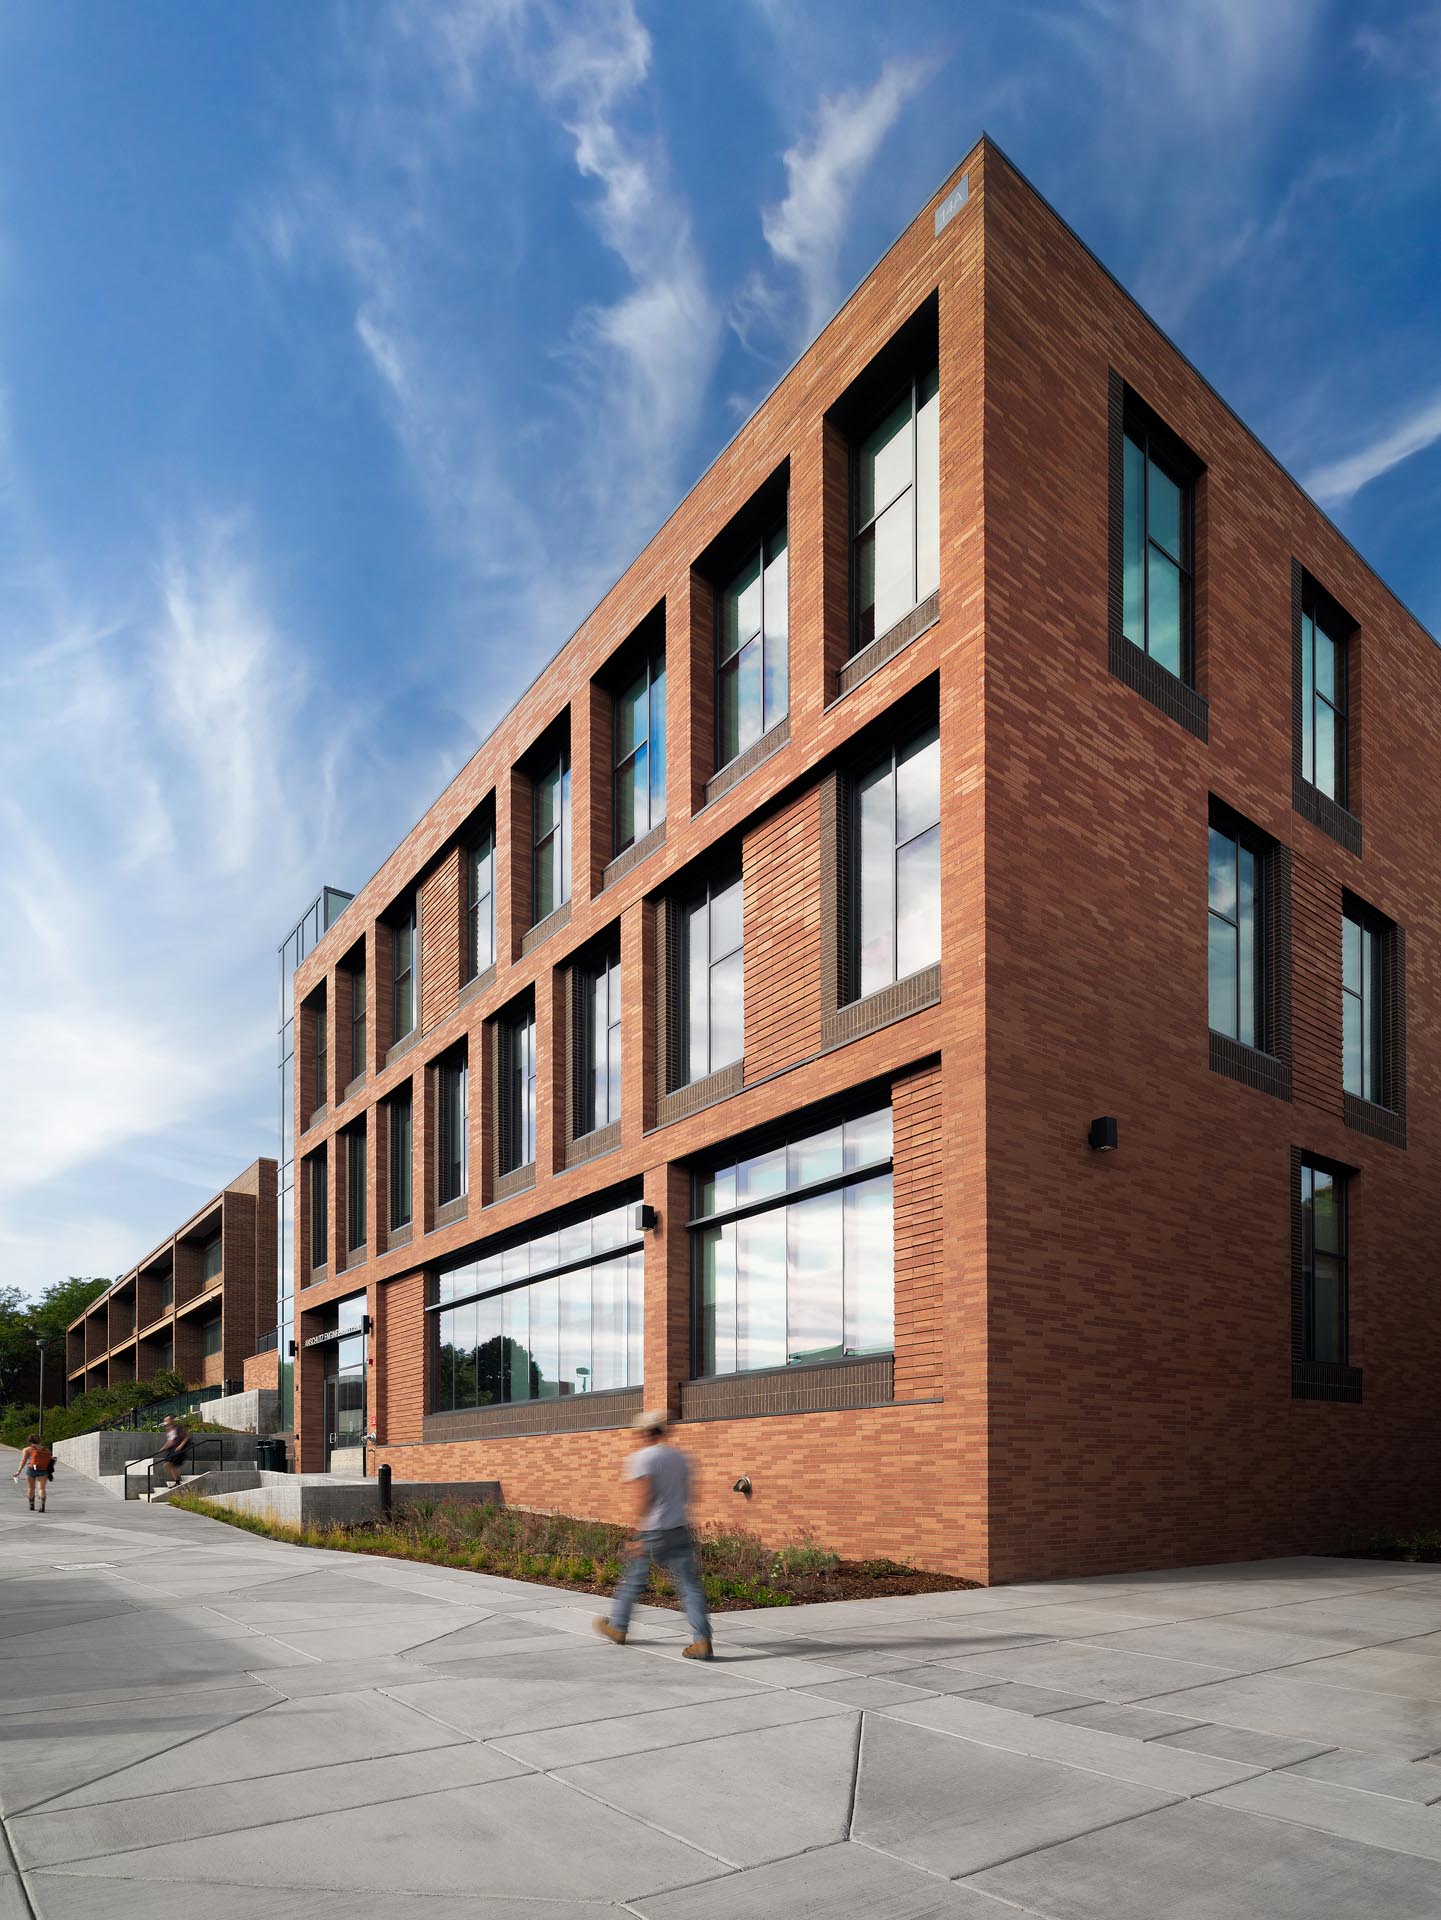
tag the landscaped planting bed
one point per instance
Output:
(738, 1569)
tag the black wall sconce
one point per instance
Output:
(291, 1345)
(643, 1217)
(1105, 1135)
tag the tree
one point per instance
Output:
(23, 1322)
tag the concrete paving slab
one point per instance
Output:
(61, 1896)
(286, 1738)
(1198, 1861)
(832, 1883)
(743, 1798)
(1016, 1697)
(338, 1676)
(954, 1807)
(1143, 1763)
(1093, 1673)
(505, 1838)
(459, 1642)
(1392, 1669)
(870, 1690)
(1137, 1723)
(1289, 1703)
(1368, 1817)
(1416, 1780)
(1252, 1749)
(1239, 1643)
(13, 1904)
(956, 1680)
(531, 1691)
(666, 1727)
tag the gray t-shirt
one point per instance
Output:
(668, 1471)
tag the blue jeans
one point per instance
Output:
(673, 1549)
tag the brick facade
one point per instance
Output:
(1092, 1362)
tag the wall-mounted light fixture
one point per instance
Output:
(1105, 1135)
(643, 1217)
(743, 1486)
(292, 1349)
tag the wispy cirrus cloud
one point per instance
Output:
(1337, 481)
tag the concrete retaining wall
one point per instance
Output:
(318, 1500)
(257, 1411)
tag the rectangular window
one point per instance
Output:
(599, 1043)
(753, 649)
(210, 1259)
(896, 883)
(319, 1210)
(1324, 634)
(403, 996)
(210, 1336)
(896, 491)
(713, 975)
(355, 1188)
(1365, 1065)
(515, 1095)
(1156, 550)
(480, 904)
(451, 1087)
(560, 1314)
(1323, 1265)
(639, 793)
(794, 1251)
(1236, 922)
(357, 1024)
(400, 1137)
(319, 1016)
(167, 1291)
(550, 869)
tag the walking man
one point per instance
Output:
(662, 1535)
(37, 1463)
(177, 1443)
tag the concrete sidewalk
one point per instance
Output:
(194, 1720)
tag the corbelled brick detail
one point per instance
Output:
(781, 864)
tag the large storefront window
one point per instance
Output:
(561, 1313)
(794, 1257)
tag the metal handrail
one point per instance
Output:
(216, 1440)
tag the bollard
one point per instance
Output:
(383, 1477)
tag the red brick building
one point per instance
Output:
(199, 1303)
(995, 741)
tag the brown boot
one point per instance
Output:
(697, 1650)
(602, 1625)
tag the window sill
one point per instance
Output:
(354, 1087)
(1379, 1123)
(543, 929)
(473, 989)
(1143, 675)
(518, 1180)
(1253, 1068)
(885, 646)
(590, 1146)
(826, 1387)
(565, 1413)
(734, 771)
(402, 1047)
(355, 1257)
(1325, 1380)
(318, 1277)
(897, 1002)
(399, 1236)
(1327, 814)
(449, 1211)
(317, 1115)
(632, 856)
(699, 1094)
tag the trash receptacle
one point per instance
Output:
(270, 1454)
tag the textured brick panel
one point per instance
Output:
(572, 1414)
(781, 865)
(823, 1389)
(734, 771)
(887, 645)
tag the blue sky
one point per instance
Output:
(348, 352)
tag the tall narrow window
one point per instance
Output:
(210, 1255)
(1363, 995)
(1323, 1264)
(403, 938)
(357, 1023)
(640, 754)
(399, 1117)
(355, 1187)
(1323, 695)
(319, 1210)
(320, 1017)
(550, 869)
(451, 1097)
(517, 1091)
(714, 974)
(753, 649)
(599, 1035)
(1236, 920)
(210, 1333)
(480, 904)
(897, 882)
(1157, 549)
(896, 543)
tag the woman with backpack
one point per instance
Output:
(37, 1463)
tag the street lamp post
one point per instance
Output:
(41, 1345)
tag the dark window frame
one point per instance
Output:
(1318, 606)
(652, 667)
(407, 978)
(357, 1023)
(556, 767)
(400, 1143)
(1384, 1117)
(603, 963)
(851, 878)
(355, 1196)
(774, 528)
(1160, 447)
(1336, 1380)
(479, 904)
(515, 1107)
(921, 369)
(452, 1113)
(320, 1015)
(718, 881)
(319, 1176)
(1264, 1064)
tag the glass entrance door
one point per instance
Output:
(345, 1421)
